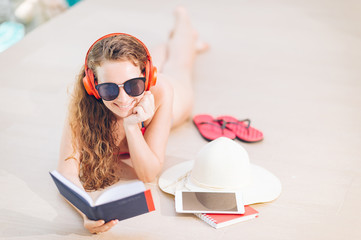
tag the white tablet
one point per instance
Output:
(209, 202)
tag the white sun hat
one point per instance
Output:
(222, 165)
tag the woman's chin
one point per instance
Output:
(122, 114)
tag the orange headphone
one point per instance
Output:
(150, 70)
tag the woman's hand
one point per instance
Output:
(98, 226)
(143, 111)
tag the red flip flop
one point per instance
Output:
(242, 129)
(211, 129)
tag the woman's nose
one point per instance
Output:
(122, 94)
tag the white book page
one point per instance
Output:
(120, 191)
(72, 186)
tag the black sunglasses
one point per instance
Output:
(110, 91)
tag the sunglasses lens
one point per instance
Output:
(108, 91)
(134, 87)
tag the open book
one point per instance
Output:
(117, 202)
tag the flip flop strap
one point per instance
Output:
(237, 123)
(223, 126)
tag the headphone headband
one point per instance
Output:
(111, 35)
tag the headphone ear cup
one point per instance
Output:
(89, 83)
(151, 75)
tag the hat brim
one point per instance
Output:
(265, 187)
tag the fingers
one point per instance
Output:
(145, 108)
(139, 111)
(99, 226)
(143, 111)
(105, 227)
(148, 101)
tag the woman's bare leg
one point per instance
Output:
(176, 60)
(159, 56)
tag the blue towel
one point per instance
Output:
(72, 2)
(10, 33)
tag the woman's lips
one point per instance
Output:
(124, 106)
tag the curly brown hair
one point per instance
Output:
(92, 123)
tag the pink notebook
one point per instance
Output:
(222, 220)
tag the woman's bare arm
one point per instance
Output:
(69, 167)
(147, 152)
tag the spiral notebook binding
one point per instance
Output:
(206, 219)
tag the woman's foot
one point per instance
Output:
(183, 39)
(184, 43)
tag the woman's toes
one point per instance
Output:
(201, 46)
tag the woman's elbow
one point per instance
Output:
(148, 178)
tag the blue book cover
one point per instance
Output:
(120, 202)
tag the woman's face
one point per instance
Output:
(118, 72)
